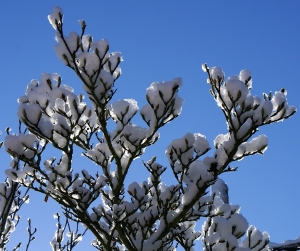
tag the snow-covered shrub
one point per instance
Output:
(152, 215)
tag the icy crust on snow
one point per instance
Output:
(52, 110)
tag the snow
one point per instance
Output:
(99, 153)
(89, 62)
(63, 166)
(122, 111)
(236, 89)
(220, 139)
(201, 144)
(245, 76)
(263, 112)
(52, 111)
(114, 60)
(239, 224)
(29, 112)
(54, 17)
(23, 144)
(160, 94)
(217, 74)
(278, 99)
(62, 52)
(245, 129)
(100, 47)
(135, 190)
(222, 187)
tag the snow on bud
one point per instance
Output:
(196, 171)
(60, 105)
(201, 144)
(63, 166)
(135, 190)
(85, 42)
(255, 239)
(278, 99)
(12, 174)
(82, 23)
(123, 110)
(28, 170)
(46, 126)
(222, 187)
(117, 72)
(212, 239)
(100, 183)
(133, 136)
(148, 115)
(182, 149)
(263, 112)
(12, 143)
(11, 225)
(160, 93)
(88, 61)
(100, 153)
(29, 113)
(258, 144)
(72, 41)
(290, 111)
(62, 53)
(100, 47)
(60, 140)
(244, 129)
(245, 76)
(55, 18)
(23, 144)
(114, 60)
(216, 74)
(222, 226)
(220, 139)
(236, 89)
(204, 67)
(239, 224)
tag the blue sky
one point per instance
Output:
(160, 40)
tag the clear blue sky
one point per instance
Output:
(161, 40)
